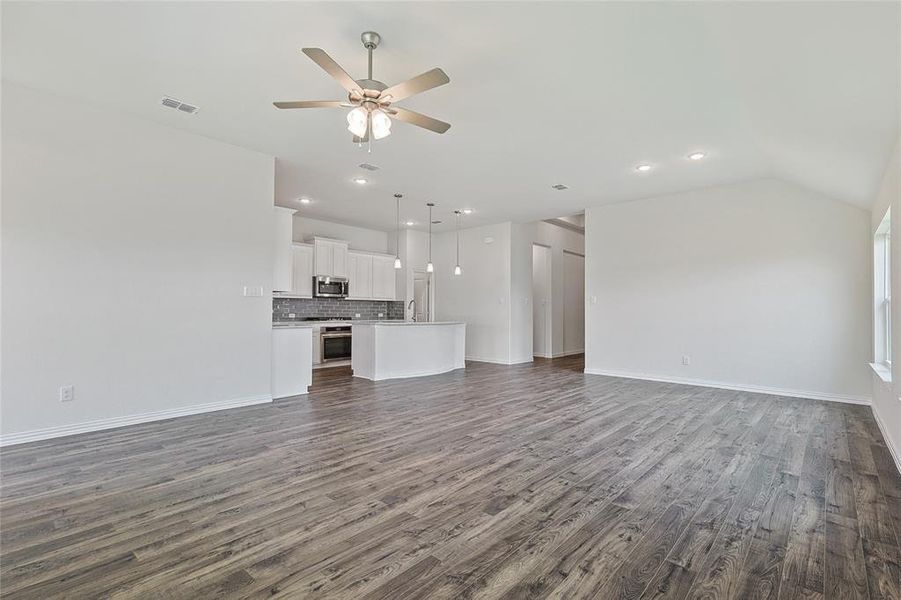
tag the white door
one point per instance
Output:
(303, 270)
(422, 295)
(573, 303)
(383, 283)
(541, 301)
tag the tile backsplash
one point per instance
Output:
(335, 307)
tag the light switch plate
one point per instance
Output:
(253, 291)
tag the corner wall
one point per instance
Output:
(559, 240)
(764, 285)
(126, 246)
(481, 296)
(887, 394)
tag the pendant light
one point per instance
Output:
(457, 269)
(430, 268)
(397, 263)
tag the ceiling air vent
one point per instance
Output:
(179, 105)
(369, 167)
(560, 186)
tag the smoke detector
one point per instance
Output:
(179, 105)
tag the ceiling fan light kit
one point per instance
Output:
(370, 99)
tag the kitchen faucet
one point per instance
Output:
(413, 304)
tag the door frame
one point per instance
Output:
(430, 292)
(548, 309)
(566, 352)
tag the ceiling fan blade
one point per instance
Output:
(420, 83)
(420, 120)
(328, 65)
(310, 104)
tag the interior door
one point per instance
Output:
(541, 301)
(422, 294)
(573, 303)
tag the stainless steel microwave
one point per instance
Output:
(329, 287)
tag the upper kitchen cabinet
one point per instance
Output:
(283, 275)
(383, 277)
(303, 270)
(330, 257)
(359, 268)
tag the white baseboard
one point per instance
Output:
(741, 388)
(114, 422)
(495, 361)
(896, 455)
(560, 354)
(570, 353)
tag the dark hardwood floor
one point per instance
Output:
(529, 481)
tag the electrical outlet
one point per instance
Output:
(67, 393)
(686, 360)
(356, 315)
(381, 315)
(291, 315)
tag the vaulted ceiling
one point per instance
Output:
(540, 94)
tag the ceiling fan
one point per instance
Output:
(370, 99)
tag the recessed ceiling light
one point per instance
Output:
(467, 211)
(643, 168)
(696, 156)
(305, 201)
(360, 180)
(410, 223)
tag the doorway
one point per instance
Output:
(542, 322)
(573, 303)
(422, 296)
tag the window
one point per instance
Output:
(882, 271)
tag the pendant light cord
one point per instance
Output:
(457, 215)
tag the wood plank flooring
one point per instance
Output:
(528, 481)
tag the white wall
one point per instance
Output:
(481, 296)
(559, 240)
(763, 284)
(359, 238)
(125, 249)
(887, 395)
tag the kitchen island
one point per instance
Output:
(396, 349)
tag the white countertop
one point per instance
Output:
(392, 322)
(408, 323)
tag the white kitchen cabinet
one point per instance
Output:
(292, 365)
(330, 257)
(303, 270)
(283, 274)
(359, 269)
(383, 278)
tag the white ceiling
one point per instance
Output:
(540, 93)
